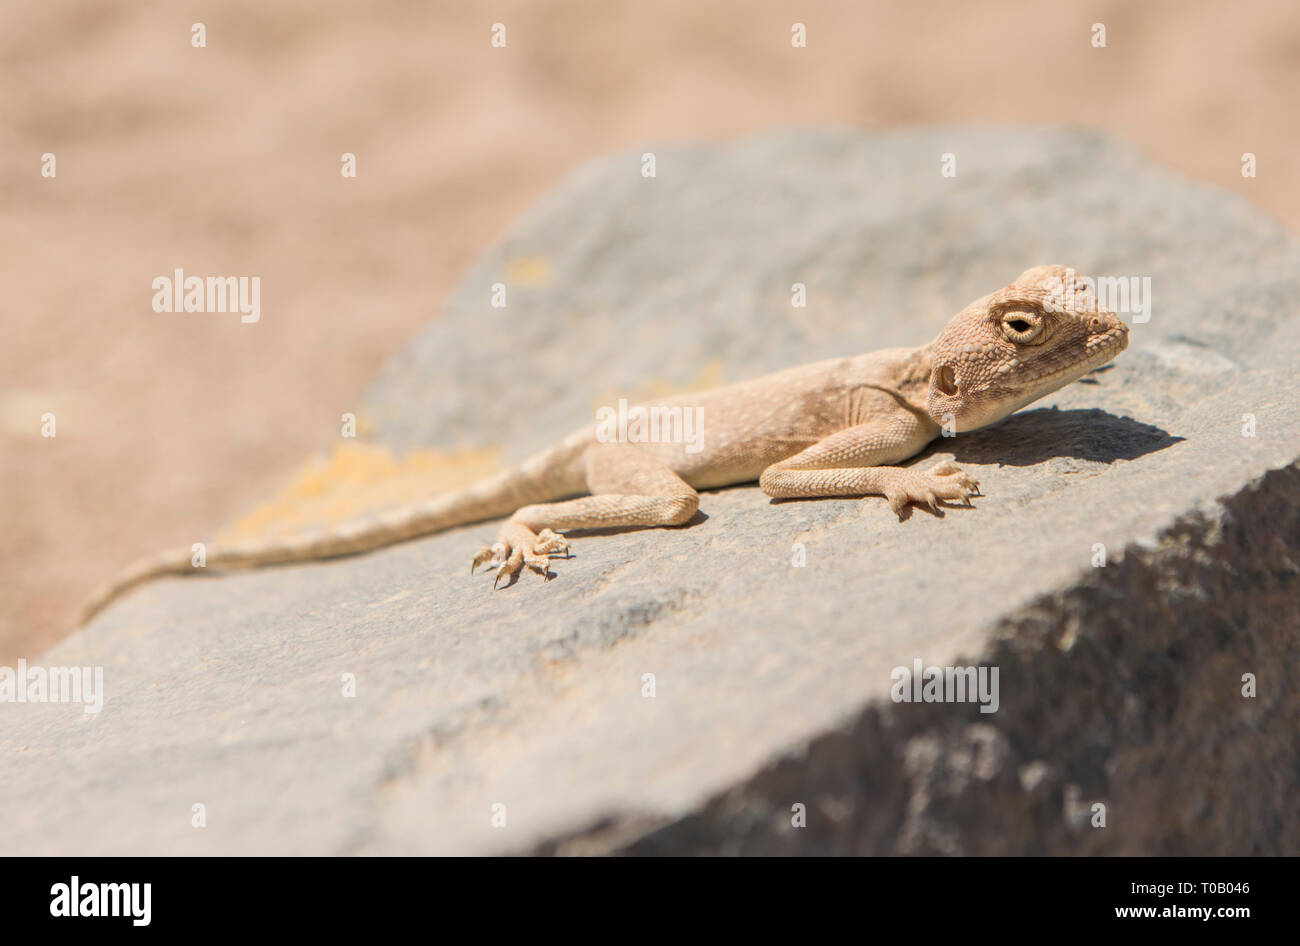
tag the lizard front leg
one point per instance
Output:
(629, 487)
(856, 462)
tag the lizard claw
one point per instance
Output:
(510, 569)
(489, 555)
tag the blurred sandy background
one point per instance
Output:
(225, 160)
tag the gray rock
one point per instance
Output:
(1119, 685)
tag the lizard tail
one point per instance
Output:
(550, 475)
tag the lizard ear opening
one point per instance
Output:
(945, 379)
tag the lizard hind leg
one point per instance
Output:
(629, 487)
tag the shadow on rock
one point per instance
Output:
(1040, 435)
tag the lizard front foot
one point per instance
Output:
(518, 546)
(943, 481)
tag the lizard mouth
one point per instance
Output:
(1104, 348)
(1100, 349)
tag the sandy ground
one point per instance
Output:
(225, 160)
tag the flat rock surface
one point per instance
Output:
(228, 692)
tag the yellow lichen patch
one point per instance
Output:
(358, 480)
(528, 271)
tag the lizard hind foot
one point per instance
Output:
(518, 546)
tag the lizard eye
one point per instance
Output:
(1021, 327)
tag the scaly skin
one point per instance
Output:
(835, 428)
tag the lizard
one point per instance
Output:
(833, 428)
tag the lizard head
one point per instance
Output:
(1018, 345)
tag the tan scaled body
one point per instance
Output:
(834, 428)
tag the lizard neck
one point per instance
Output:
(913, 376)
